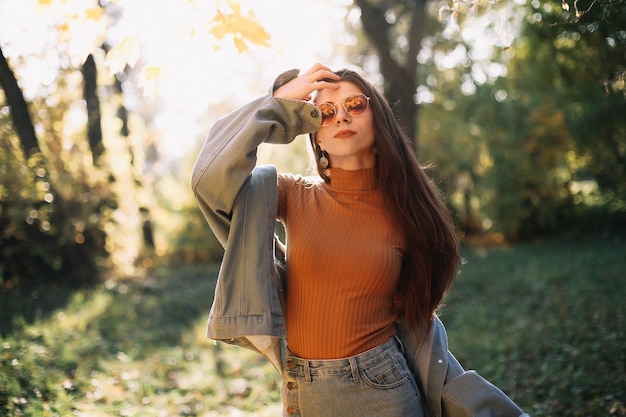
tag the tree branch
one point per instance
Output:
(581, 13)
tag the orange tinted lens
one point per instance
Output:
(328, 112)
(355, 104)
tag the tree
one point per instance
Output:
(21, 114)
(588, 47)
(541, 148)
(395, 30)
(58, 195)
(400, 31)
(90, 93)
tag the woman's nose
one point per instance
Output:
(342, 116)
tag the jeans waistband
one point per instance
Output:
(350, 365)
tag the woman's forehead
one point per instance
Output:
(337, 95)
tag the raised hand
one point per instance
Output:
(301, 87)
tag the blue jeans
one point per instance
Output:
(375, 383)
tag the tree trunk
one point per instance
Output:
(122, 111)
(90, 94)
(21, 116)
(400, 77)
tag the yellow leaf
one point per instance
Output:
(152, 73)
(95, 13)
(242, 28)
(240, 44)
(44, 2)
(220, 27)
(124, 53)
(64, 28)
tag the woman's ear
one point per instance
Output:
(317, 147)
(316, 140)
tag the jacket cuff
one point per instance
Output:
(309, 115)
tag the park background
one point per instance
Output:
(107, 268)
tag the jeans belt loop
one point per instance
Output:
(307, 372)
(355, 369)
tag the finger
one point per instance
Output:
(322, 85)
(324, 75)
(317, 67)
(319, 72)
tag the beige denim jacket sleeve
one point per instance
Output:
(239, 201)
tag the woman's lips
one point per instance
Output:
(342, 134)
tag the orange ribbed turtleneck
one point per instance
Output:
(343, 264)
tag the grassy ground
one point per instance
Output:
(544, 321)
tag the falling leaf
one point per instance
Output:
(124, 53)
(221, 27)
(152, 73)
(94, 13)
(44, 3)
(64, 28)
(242, 28)
(240, 45)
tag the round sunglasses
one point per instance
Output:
(354, 105)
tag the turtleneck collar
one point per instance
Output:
(353, 180)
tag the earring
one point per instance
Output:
(375, 150)
(323, 160)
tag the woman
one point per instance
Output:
(373, 229)
(368, 244)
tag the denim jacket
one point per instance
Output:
(239, 201)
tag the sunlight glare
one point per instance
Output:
(195, 71)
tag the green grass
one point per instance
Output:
(543, 321)
(546, 322)
(132, 347)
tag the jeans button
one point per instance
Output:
(291, 364)
(291, 385)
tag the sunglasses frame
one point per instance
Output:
(343, 104)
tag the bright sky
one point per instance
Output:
(302, 32)
(194, 74)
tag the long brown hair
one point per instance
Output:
(417, 206)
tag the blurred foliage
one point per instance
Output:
(192, 241)
(53, 208)
(531, 142)
(589, 64)
(62, 218)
